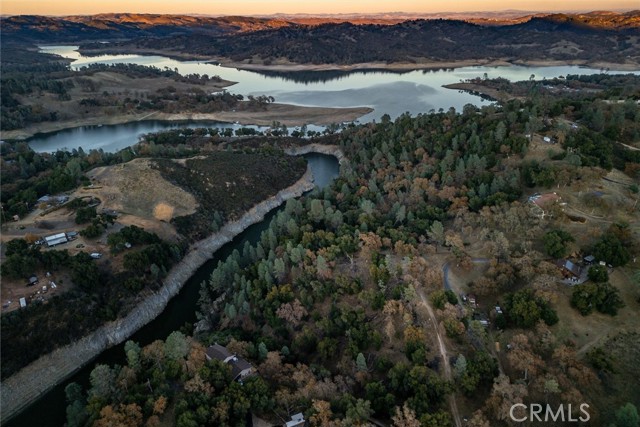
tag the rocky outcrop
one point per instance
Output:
(24, 387)
(330, 150)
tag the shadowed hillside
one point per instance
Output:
(599, 37)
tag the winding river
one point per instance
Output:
(180, 310)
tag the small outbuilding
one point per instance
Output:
(297, 420)
(472, 300)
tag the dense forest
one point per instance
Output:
(543, 38)
(602, 36)
(104, 294)
(340, 302)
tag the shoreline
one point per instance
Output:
(34, 380)
(429, 65)
(479, 90)
(280, 65)
(287, 114)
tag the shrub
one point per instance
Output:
(524, 309)
(556, 243)
(612, 250)
(598, 274)
(84, 215)
(600, 296)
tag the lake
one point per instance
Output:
(386, 92)
(112, 138)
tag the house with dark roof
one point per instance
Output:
(240, 368)
(219, 352)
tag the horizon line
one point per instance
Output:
(259, 15)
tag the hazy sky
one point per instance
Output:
(252, 7)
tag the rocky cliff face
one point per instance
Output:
(23, 388)
(330, 150)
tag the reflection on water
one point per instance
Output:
(322, 76)
(112, 138)
(376, 89)
(397, 98)
(325, 76)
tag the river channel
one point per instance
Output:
(387, 92)
(50, 409)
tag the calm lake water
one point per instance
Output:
(112, 138)
(50, 409)
(387, 92)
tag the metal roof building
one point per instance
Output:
(56, 239)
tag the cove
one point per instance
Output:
(387, 92)
(180, 310)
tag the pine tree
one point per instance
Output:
(361, 362)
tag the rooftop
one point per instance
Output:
(542, 200)
(238, 365)
(218, 352)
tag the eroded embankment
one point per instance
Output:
(329, 150)
(31, 382)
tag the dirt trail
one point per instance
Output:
(453, 405)
(443, 352)
(629, 147)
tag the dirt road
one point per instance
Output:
(445, 358)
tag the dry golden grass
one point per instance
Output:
(137, 189)
(163, 212)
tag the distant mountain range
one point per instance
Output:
(504, 17)
(125, 26)
(129, 25)
(348, 39)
